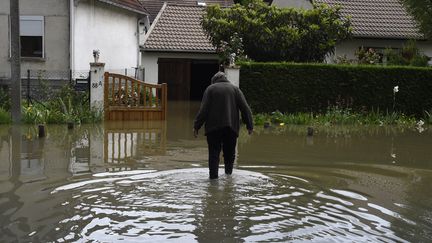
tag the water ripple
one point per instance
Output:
(184, 206)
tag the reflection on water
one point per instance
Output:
(147, 181)
(132, 141)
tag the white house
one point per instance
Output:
(58, 37)
(377, 24)
(114, 27)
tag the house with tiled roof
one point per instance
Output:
(377, 24)
(60, 37)
(177, 51)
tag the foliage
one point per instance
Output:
(335, 115)
(369, 56)
(292, 88)
(229, 51)
(5, 116)
(269, 33)
(428, 116)
(422, 12)
(409, 55)
(68, 106)
(343, 59)
(5, 99)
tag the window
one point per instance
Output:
(32, 36)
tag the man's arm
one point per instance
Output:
(245, 111)
(201, 116)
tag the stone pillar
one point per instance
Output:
(97, 71)
(233, 75)
(97, 147)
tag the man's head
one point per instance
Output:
(218, 77)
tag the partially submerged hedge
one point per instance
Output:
(289, 87)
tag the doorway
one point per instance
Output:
(202, 72)
(187, 79)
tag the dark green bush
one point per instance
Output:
(289, 87)
(5, 100)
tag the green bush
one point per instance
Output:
(409, 55)
(5, 100)
(4, 116)
(67, 106)
(292, 88)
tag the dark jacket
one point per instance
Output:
(220, 107)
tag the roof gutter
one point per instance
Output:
(179, 50)
(388, 38)
(72, 34)
(124, 7)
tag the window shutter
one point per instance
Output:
(31, 25)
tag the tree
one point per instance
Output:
(269, 33)
(422, 12)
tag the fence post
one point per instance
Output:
(164, 100)
(97, 71)
(233, 75)
(28, 86)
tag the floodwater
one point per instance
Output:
(137, 182)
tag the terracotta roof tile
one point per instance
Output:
(378, 18)
(178, 28)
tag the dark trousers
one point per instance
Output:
(223, 139)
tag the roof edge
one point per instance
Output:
(152, 26)
(125, 7)
(178, 50)
(389, 37)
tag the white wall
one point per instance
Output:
(149, 60)
(350, 46)
(109, 29)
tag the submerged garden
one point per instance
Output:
(340, 151)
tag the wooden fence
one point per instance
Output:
(126, 98)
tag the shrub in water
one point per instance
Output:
(5, 116)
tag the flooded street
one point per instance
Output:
(148, 181)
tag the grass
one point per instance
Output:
(339, 116)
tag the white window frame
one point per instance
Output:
(35, 18)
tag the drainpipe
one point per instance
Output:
(72, 34)
(138, 42)
(145, 20)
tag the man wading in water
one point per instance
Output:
(219, 110)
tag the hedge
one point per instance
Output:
(290, 87)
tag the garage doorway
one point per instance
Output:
(201, 74)
(186, 78)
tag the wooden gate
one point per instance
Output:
(126, 98)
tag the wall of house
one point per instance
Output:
(349, 47)
(56, 31)
(306, 4)
(150, 62)
(109, 29)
